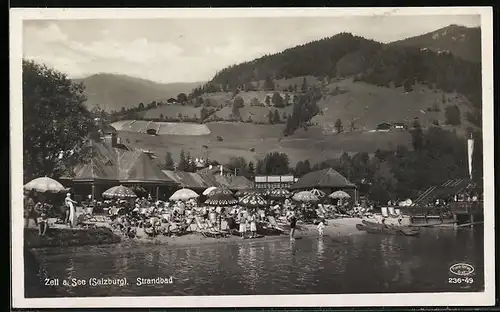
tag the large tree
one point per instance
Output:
(56, 122)
(169, 162)
(239, 166)
(183, 162)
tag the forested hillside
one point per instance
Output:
(463, 42)
(345, 55)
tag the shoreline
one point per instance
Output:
(335, 228)
(103, 235)
(65, 237)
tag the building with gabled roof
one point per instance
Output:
(109, 166)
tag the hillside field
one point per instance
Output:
(368, 105)
(240, 138)
(363, 104)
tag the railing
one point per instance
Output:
(426, 211)
(467, 207)
(452, 208)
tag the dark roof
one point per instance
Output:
(215, 180)
(384, 124)
(187, 179)
(239, 183)
(140, 168)
(101, 166)
(112, 164)
(326, 178)
(108, 129)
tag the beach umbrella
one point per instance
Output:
(318, 193)
(253, 201)
(279, 194)
(221, 200)
(184, 194)
(209, 190)
(241, 193)
(246, 192)
(45, 184)
(221, 191)
(119, 191)
(339, 195)
(305, 197)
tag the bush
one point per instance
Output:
(452, 115)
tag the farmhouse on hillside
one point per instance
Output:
(399, 126)
(384, 126)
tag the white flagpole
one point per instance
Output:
(470, 150)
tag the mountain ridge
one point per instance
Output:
(111, 92)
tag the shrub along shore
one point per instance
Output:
(66, 237)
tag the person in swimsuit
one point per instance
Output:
(43, 222)
(243, 224)
(321, 227)
(253, 225)
(29, 209)
(293, 224)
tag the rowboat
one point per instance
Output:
(375, 228)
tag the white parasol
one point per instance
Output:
(184, 194)
(45, 184)
(339, 195)
(305, 197)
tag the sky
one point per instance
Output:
(193, 50)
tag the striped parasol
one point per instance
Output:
(119, 191)
(241, 193)
(318, 193)
(246, 192)
(279, 194)
(184, 194)
(305, 197)
(221, 200)
(253, 201)
(221, 191)
(45, 184)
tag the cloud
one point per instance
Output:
(176, 50)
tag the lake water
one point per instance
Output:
(363, 263)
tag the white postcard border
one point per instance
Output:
(418, 299)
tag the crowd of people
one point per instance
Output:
(144, 217)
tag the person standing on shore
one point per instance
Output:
(29, 209)
(243, 223)
(69, 203)
(293, 224)
(253, 224)
(321, 227)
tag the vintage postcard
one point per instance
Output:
(252, 157)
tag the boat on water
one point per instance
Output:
(387, 229)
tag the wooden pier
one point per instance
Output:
(466, 213)
(474, 211)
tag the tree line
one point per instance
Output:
(437, 155)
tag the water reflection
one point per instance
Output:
(361, 263)
(320, 249)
